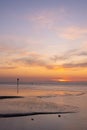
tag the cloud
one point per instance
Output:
(48, 17)
(32, 59)
(69, 55)
(71, 32)
(71, 65)
(82, 53)
(7, 67)
(11, 44)
(16, 46)
(56, 58)
(13, 55)
(8, 42)
(71, 59)
(53, 20)
(37, 60)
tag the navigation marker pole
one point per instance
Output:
(17, 85)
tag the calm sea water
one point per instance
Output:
(44, 98)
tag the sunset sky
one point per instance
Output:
(43, 40)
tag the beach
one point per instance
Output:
(43, 106)
(43, 64)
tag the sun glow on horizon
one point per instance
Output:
(61, 80)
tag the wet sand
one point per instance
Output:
(38, 109)
(13, 107)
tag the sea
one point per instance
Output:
(43, 106)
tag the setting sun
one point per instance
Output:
(63, 80)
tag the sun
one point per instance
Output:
(61, 80)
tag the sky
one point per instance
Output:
(43, 40)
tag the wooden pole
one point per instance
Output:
(17, 85)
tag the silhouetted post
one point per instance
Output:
(17, 85)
